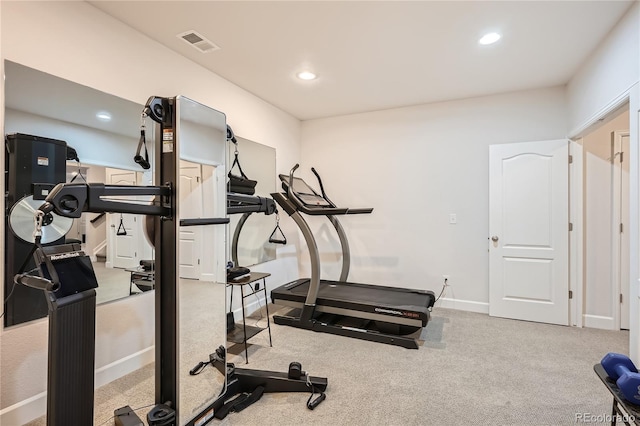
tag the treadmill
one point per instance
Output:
(247, 205)
(376, 313)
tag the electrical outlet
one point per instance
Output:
(257, 287)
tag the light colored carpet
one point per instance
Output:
(113, 283)
(471, 369)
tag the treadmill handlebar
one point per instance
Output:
(295, 203)
(324, 194)
(291, 203)
(290, 191)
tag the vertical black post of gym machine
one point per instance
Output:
(166, 341)
(72, 333)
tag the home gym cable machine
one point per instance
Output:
(71, 356)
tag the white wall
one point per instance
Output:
(609, 72)
(92, 145)
(607, 78)
(75, 41)
(415, 166)
(407, 241)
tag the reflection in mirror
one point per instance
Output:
(114, 242)
(104, 130)
(201, 141)
(258, 162)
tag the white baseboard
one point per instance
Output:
(590, 321)
(24, 411)
(464, 305)
(124, 366)
(207, 277)
(36, 406)
(249, 307)
(596, 321)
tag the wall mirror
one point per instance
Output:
(104, 130)
(202, 251)
(114, 242)
(252, 244)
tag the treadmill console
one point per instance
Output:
(304, 192)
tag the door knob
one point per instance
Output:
(494, 238)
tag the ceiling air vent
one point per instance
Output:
(198, 41)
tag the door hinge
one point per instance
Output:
(198, 261)
(620, 297)
(570, 226)
(570, 294)
(621, 156)
(570, 159)
(621, 228)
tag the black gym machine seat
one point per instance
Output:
(376, 313)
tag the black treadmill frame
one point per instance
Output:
(309, 315)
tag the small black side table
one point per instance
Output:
(144, 280)
(240, 334)
(628, 412)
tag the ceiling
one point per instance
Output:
(373, 55)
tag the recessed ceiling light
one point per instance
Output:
(307, 75)
(489, 38)
(103, 116)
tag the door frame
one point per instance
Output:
(576, 241)
(616, 234)
(632, 97)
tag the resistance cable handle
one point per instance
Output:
(33, 281)
(142, 142)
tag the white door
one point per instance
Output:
(190, 207)
(620, 244)
(529, 231)
(123, 249)
(123, 231)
